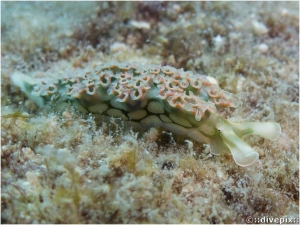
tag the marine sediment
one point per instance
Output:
(65, 167)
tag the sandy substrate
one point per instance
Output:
(63, 167)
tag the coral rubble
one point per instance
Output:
(70, 167)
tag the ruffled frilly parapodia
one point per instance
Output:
(148, 95)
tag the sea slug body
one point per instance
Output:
(146, 95)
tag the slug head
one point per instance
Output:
(228, 137)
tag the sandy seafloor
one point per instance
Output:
(66, 168)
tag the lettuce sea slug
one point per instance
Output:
(147, 95)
